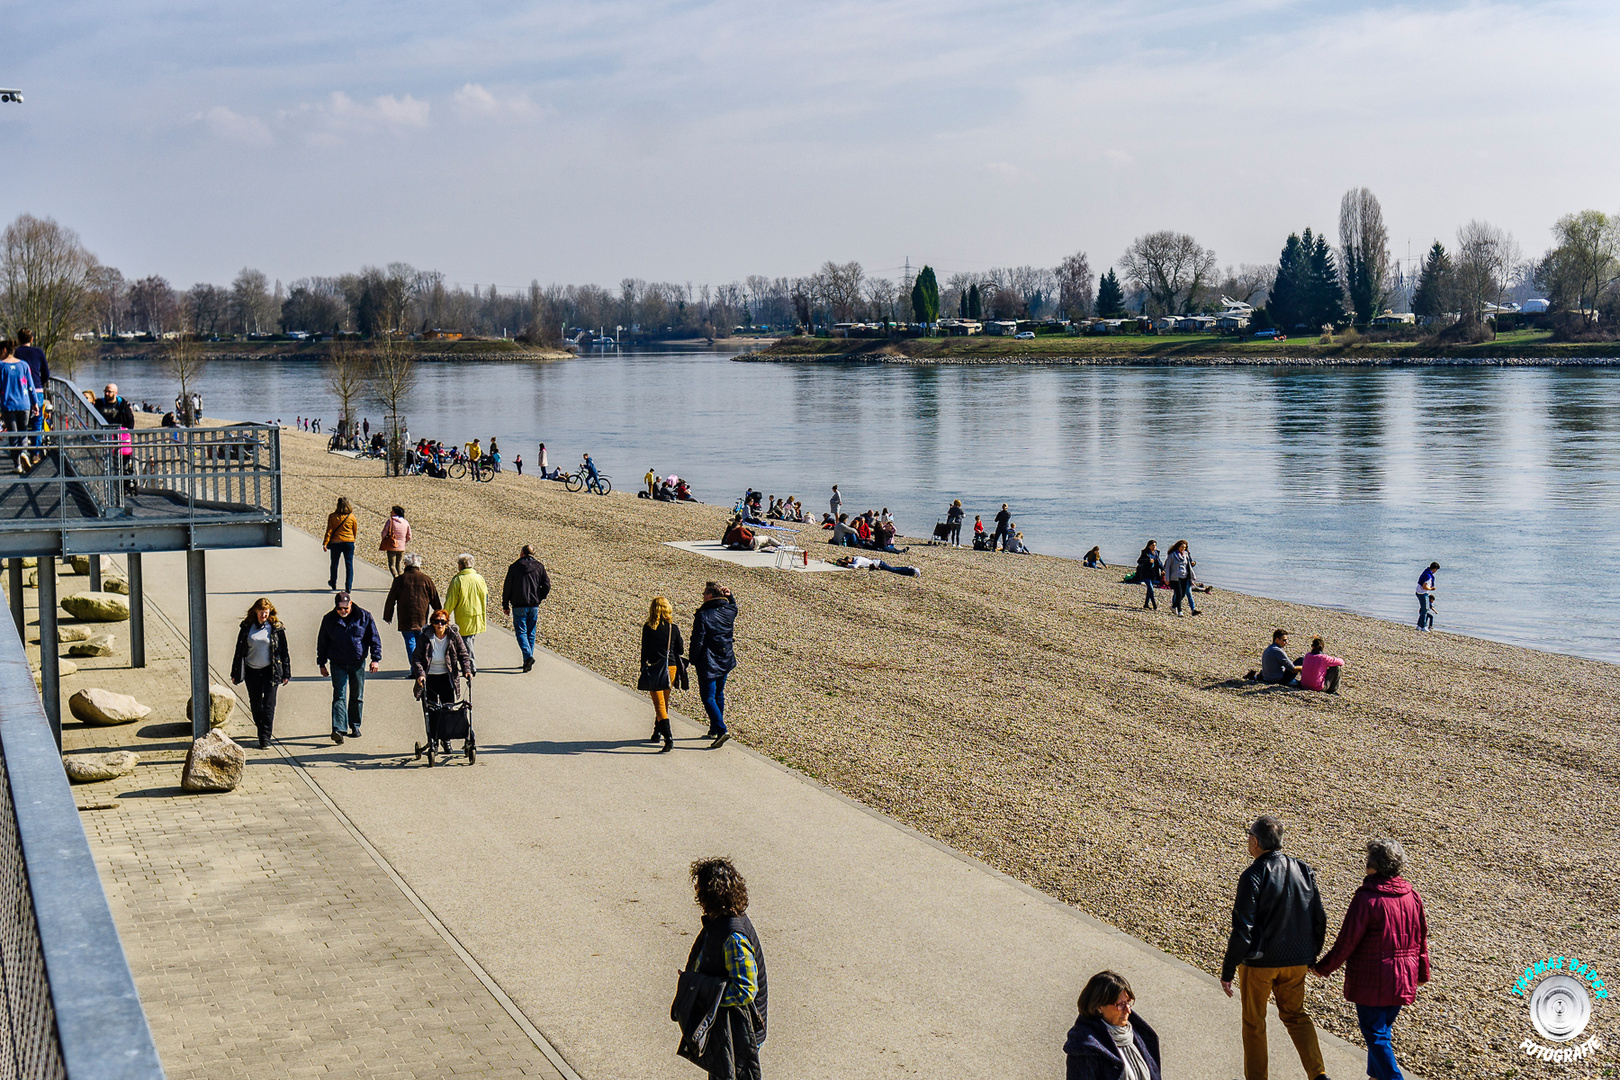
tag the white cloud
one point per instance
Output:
(234, 127)
(473, 101)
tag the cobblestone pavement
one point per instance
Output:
(264, 939)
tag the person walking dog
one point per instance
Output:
(1384, 948)
(661, 651)
(526, 587)
(713, 655)
(728, 948)
(348, 636)
(263, 662)
(1278, 926)
(1110, 1041)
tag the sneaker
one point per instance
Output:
(264, 744)
(337, 737)
(720, 740)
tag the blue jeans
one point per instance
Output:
(346, 550)
(1425, 611)
(713, 692)
(350, 684)
(411, 638)
(524, 620)
(1376, 1020)
(1182, 591)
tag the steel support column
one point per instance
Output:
(14, 591)
(137, 611)
(95, 573)
(197, 602)
(50, 667)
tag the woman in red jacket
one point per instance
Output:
(1384, 947)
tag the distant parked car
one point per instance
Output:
(1026, 335)
(1268, 335)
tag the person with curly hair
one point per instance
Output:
(728, 948)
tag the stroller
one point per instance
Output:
(942, 533)
(446, 723)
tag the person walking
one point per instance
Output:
(396, 535)
(588, 467)
(342, 530)
(412, 597)
(1278, 925)
(1003, 520)
(1178, 571)
(835, 503)
(953, 519)
(713, 655)
(728, 948)
(1149, 570)
(1110, 1041)
(438, 662)
(263, 662)
(348, 636)
(467, 600)
(16, 403)
(1425, 597)
(526, 587)
(661, 650)
(40, 368)
(1384, 949)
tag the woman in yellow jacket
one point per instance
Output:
(467, 601)
(342, 530)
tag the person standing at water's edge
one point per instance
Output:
(1003, 519)
(953, 519)
(396, 537)
(713, 655)
(348, 636)
(835, 502)
(728, 948)
(342, 529)
(661, 650)
(1425, 597)
(1278, 926)
(263, 662)
(526, 587)
(467, 600)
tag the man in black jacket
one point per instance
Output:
(712, 655)
(527, 584)
(1278, 927)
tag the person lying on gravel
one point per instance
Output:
(1318, 670)
(739, 537)
(861, 562)
(1275, 667)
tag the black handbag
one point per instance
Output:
(655, 676)
(696, 1005)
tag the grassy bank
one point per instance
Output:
(1525, 346)
(1029, 712)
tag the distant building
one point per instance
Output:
(1001, 328)
(1395, 318)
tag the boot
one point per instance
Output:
(661, 731)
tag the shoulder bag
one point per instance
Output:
(655, 676)
(696, 1005)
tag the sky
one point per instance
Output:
(706, 140)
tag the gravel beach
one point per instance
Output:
(1027, 711)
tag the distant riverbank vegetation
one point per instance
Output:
(1166, 293)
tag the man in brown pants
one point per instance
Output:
(1278, 927)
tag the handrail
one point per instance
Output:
(68, 1004)
(70, 409)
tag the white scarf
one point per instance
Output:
(1125, 1040)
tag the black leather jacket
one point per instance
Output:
(1278, 919)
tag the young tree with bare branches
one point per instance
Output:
(393, 377)
(346, 377)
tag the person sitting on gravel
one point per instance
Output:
(1015, 544)
(860, 562)
(1094, 559)
(1318, 670)
(842, 533)
(1275, 667)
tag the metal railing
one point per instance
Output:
(68, 1005)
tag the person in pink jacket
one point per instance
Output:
(1318, 670)
(1384, 948)
(396, 534)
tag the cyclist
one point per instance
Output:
(595, 483)
(474, 452)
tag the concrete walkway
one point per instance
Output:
(558, 862)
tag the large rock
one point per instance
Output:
(64, 668)
(116, 584)
(94, 705)
(89, 768)
(221, 702)
(94, 645)
(68, 634)
(97, 606)
(81, 564)
(214, 764)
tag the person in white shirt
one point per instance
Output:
(263, 662)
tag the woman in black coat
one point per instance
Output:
(1109, 1041)
(1149, 569)
(263, 662)
(661, 651)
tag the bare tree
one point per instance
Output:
(881, 295)
(1484, 265)
(1249, 283)
(153, 307)
(186, 361)
(108, 295)
(208, 309)
(1074, 286)
(346, 377)
(1170, 267)
(393, 377)
(1364, 253)
(251, 310)
(45, 279)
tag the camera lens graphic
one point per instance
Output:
(1560, 1008)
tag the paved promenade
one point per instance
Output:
(558, 862)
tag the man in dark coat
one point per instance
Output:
(712, 655)
(728, 947)
(348, 635)
(1003, 519)
(1278, 927)
(527, 585)
(414, 598)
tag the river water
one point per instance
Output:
(1326, 486)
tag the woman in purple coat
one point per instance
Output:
(1109, 1041)
(1384, 947)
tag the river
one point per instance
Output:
(1329, 486)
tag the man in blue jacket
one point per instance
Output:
(40, 368)
(348, 635)
(712, 656)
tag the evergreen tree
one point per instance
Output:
(1433, 294)
(1110, 297)
(925, 296)
(1326, 290)
(975, 303)
(1288, 300)
(962, 305)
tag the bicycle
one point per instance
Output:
(580, 482)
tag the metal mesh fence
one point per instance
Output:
(30, 1048)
